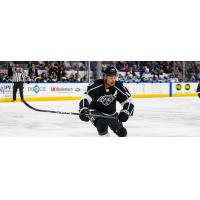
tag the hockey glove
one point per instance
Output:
(123, 116)
(83, 113)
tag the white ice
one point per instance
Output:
(152, 117)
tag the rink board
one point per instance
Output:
(74, 91)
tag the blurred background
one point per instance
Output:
(86, 71)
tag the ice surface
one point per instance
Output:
(152, 117)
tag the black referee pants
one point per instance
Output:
(18, 85)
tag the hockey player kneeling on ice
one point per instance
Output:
(101, 98)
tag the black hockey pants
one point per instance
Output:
(102, 125)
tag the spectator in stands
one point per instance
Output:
(130, 76)
(83, 79)
(32, 79)
(43, 77)
(154, 76)
(130, 71)
(2, 77)
(74, 66)
(81, 66)
(162, 77)
(61, 73)
(53, 77)
(67, 65)
(198, 76)
(167, 69)
(146, 75)
(192, 78)
(41, 65)
(175, 78)
(53, 69)
(33, 71)
(72, 78)
(142, 70)
(11, 70)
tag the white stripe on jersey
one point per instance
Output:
(126, 94)
(104, 113)
(94, 88)
(109, 114)
(87, 97)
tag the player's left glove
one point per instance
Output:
(84, 114)
(123, 116)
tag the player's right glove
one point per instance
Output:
(83, 114)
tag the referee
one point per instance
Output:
(18, 83)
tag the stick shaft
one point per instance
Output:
(67, 113)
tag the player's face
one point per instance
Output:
(110, 80)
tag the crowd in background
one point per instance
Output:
(129, 71)
(157, 71)
(48, 71)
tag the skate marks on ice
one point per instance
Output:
(18, 120)
(152, 117)
(166, 117)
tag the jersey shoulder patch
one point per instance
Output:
(122, 89)
(94, 84)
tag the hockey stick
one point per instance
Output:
(67, 113)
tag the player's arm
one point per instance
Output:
(87, 97)
(85, 103)
(198, 90)
(125, 99)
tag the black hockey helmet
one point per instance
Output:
(109, 70)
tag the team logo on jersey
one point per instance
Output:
(107, 99)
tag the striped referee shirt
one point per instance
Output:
(18, 77)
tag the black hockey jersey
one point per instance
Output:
(104, 100)
(198, 89)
